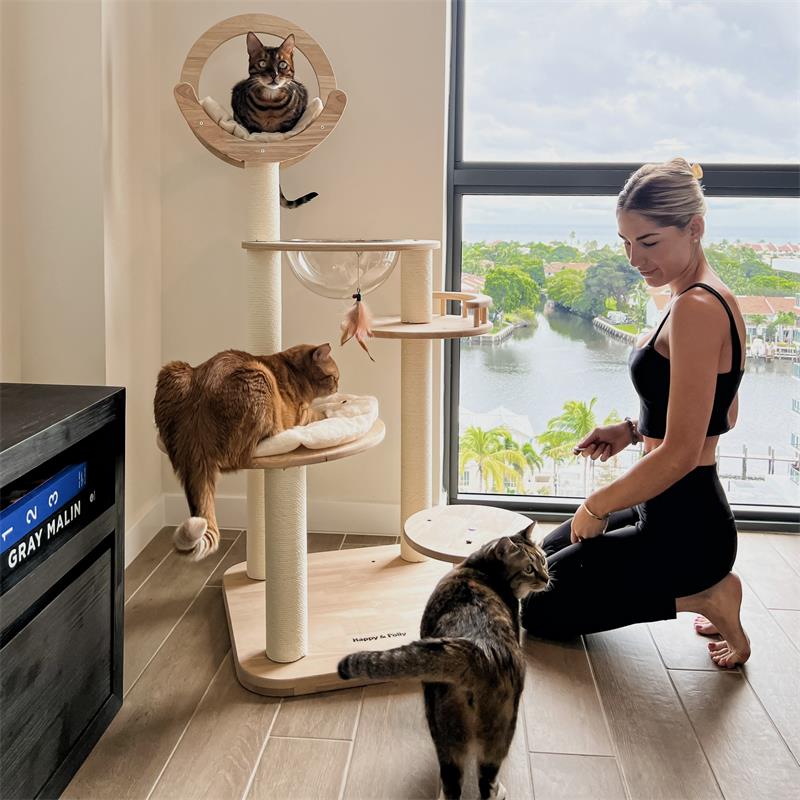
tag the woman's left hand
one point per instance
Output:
(584, 526)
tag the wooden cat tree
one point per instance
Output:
(352, 595)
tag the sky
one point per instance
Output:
(631, 81)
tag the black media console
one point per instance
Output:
(61, 579)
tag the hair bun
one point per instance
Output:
(697, 171)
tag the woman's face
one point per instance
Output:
(661, 255)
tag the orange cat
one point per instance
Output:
(211, 417)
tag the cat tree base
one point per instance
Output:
(352, 595)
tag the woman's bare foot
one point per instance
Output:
(703, 627)
(720, 606)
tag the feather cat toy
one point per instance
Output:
(356, 324)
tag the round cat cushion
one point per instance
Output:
(340, 418)
(225, 120)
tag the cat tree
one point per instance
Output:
(280, 648)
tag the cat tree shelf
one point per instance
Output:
(447, 327)
(333, 245)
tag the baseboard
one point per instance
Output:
(323, 515)
(150, 523)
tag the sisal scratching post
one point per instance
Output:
(415, 434)
(416, 380)
(263, 323)
(416, 285)
(286, 565)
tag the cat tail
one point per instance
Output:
(446, 660)
(306, 198)
(198, 536)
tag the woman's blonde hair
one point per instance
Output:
(668, 194)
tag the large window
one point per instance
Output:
(553, 105)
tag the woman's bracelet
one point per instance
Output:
(634, 430)
(594, 516)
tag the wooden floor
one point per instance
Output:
(637, 713)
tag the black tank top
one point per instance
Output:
(650, 376)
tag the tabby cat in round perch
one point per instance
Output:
(211, 417)
(271, 100)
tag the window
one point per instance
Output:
(541, 142)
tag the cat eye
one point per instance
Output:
(262, 64)
(282, 64)
(529, 569)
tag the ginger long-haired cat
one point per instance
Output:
(211, 417)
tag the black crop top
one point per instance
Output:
(650, 376)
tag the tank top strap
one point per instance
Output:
(658, 330)
(736, 344)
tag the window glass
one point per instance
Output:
(631, 81)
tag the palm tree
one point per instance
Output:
(576, 421)
(496, 461)
(533, 460)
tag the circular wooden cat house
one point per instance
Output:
(228, 147)
(291, 615)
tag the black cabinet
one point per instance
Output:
(61, 579)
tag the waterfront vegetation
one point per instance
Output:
(514, 274)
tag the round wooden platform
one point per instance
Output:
(350, 245)
(451, 533)
(303, 457)
(450, 326)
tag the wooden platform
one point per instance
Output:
(359, 599)
(451, 533)
(344, 245)
(450, 326)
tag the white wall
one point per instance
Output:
(81, 215)
(381, 174)
(132, 250)
(52, 192)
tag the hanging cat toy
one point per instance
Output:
(357, 322)
(336, 274)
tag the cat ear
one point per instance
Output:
(504, 547)
(254, 45)
(287, 46)
(322, 353)
(527, 534)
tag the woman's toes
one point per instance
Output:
(717, 647)
(704, 627)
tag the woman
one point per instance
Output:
(661, 538)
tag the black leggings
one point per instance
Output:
(677, 544)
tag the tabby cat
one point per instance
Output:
(271, 99)
(211, 417)
(469, 658)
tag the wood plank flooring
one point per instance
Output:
(638, 713)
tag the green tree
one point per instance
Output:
(575, 421)
(495, 461)
(566, 288)
(510, 289)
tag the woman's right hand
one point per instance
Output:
(604, 442)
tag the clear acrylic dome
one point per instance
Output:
(337, 274)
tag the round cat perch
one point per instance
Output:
(288, 635)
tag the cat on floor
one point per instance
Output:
(469, 658)
(271, 99)
(211, 417)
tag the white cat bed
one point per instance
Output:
(347, 417)
(225, 120)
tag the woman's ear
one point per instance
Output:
(697, 227)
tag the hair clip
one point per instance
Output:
(697, 171)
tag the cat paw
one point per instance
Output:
(499, 792)
(189, 533)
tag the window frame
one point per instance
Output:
(570, 179)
